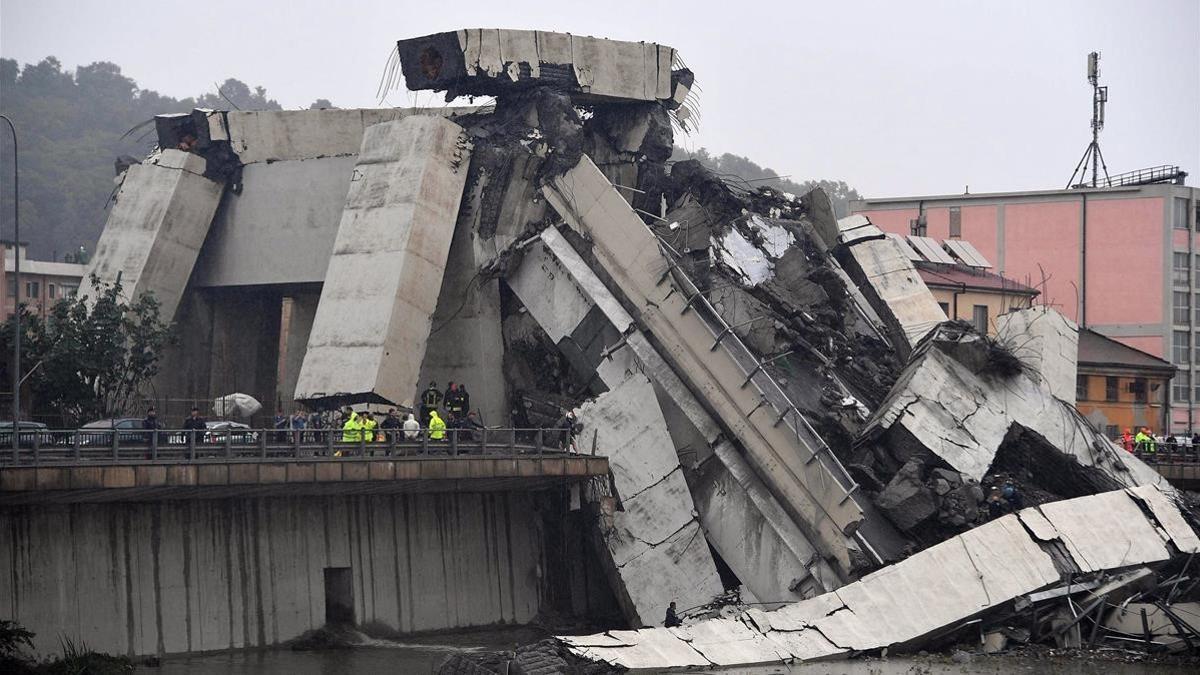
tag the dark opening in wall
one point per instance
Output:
(339, 596)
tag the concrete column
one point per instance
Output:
(158, 222)
(381, 289)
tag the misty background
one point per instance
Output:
(870, 98)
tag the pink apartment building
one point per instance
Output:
(1122, 261)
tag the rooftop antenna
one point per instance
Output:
(1093, 154)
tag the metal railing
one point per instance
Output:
(174, 446)
(770, 393)
(1165, 453)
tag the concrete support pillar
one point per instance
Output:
(381, 288)
(158, 222)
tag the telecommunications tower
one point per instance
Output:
(1093, 155)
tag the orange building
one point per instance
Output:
(1118, 387)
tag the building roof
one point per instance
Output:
(869, 203)
(1099, 350)
(974, 278)
(45, 267)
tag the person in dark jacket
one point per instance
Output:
(194, 423)
(390, 425)
(152, 422)
(431, 398)
(672, 619)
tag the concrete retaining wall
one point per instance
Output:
(196, 575)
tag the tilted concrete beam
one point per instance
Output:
(158, 222)
(373, 320)
(782, 450)
(742, 520)
(886, 278)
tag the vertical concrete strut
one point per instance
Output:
(158, 222)
(381, 288)
(788, 461)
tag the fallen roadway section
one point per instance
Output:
(989, 573)
(961, 395)
(742, 520)
(775, 440)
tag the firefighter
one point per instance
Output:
(431, 398)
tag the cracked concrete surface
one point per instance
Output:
(159, 219)
(946, 403)
(655, 544)
(977, 573)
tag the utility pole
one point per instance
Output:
(16, 365)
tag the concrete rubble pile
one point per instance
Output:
(787, 412)
(984, 579)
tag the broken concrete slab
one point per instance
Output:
(369, 335)
(978, 574)
(657, 552)
(777, 441)
(949, 402)
(490, 61)
(1047, 343)
(159, 219)
(742, 520)
(886, 277)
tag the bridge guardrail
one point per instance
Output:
(1165, 454)
(68, 446)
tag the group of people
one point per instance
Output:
(1145, 443)
(363, 427)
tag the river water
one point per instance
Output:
(424, 658)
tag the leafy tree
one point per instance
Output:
(90, 360)
(737, 168)
(71, 127)
(322, 103)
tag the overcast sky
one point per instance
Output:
(893, 97)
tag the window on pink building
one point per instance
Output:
(1181, 269)
(1181, 386)
(1182, 310)
(1182, 347)
(1180, 220)
(955, 222)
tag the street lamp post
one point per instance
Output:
(16, 366)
